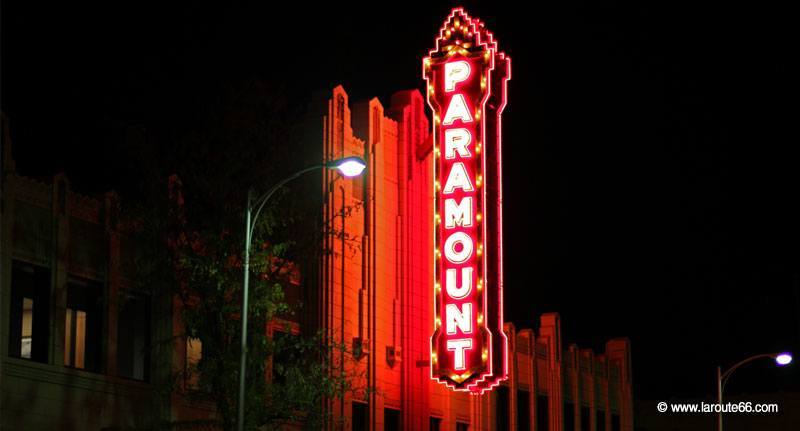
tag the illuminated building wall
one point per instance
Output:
(376, 296)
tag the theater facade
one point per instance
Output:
(376, 296)
(412, 280)
(409, 280)
(64, 362)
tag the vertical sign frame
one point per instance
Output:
(466, 89)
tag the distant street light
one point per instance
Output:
(348, 167)
(781, 359)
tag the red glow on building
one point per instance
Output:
(464, 73)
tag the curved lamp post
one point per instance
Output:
(348, 167)
(781, 359)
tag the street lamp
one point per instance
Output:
(781, 359)
(349, 167)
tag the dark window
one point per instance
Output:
(391, 420)
(569, 417)
(523, 410)
(435, 424)
(133, 337)
(601, 420)
(501, 415)
(83, 330)
(542, 413)
(360, 417)
(461, 426)
(29, 315)
(615, 424)
(586, 419)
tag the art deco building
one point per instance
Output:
(79, 341)
(377, 297)
(77, 346)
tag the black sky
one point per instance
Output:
(651, 173)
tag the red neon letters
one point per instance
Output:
(466, 79)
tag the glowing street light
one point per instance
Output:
(781, 359)
(784, 358)
(349, 167)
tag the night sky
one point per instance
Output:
(651, 175)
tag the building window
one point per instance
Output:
(133, 337)
(30, 312)
(601, 420)
(27, 328)
(435, 424)
(360, 417)
(586, 419)
(75, 339)
(615, 422)
(194, 352)
(523, 410)
(391, 420)
(542, 413)
(83, 326)
(569, 416)
(462, 426)
(501, 414)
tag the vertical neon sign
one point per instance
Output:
(466, 79)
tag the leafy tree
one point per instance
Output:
(191, 231)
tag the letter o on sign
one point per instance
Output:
(458, 256)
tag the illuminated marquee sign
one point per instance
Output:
(466, 78)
